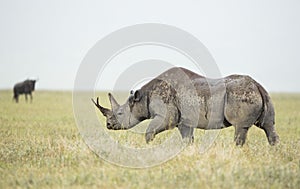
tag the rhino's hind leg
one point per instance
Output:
(240, 135)
(187, 133)
(271, 134)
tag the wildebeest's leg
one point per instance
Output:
(272, 136)
(187, 133)
(30, 97)
(17, 98)
(156, 126)
(240, 134)
(26, 97)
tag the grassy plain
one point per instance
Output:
(40, 147)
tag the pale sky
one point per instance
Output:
(49, 39)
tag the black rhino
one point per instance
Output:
(183, 99)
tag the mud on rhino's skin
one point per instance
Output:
(181, 98)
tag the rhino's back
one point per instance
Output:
(171, 84)
(178, 73)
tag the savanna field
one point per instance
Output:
(40, 147)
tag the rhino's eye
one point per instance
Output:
(120, 112)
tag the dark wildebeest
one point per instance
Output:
(183, 99)
(25, 87)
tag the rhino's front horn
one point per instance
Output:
(113, 102)
(103, 110)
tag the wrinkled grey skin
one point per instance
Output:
(183, 99)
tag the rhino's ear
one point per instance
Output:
(113, 102)
(137, 96)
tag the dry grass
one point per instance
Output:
(40, 147)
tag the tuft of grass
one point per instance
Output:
(40, 147)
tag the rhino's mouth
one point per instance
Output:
(110, 127)
(116, 126)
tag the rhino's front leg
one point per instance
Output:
(156, 126)
(187, 133)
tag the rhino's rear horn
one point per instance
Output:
(114, 104)
(103, 110)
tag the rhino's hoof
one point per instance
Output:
(149, 137)
(274, 140)
(239, 142)
(188, 140)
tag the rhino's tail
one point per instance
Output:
(267, 113)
